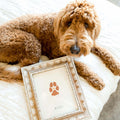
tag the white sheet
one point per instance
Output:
(13, 104)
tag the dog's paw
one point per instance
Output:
(98, 84)
(116, 70)
(54, 89)
(95, 81)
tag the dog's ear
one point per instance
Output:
(57, 22)
(97, 27)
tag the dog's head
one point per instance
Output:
(77, 26)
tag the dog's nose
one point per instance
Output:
(75, 49)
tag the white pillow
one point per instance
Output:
(13, 104)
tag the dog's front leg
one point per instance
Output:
(108, 59)
(88, 75)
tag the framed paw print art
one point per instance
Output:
(53, 91)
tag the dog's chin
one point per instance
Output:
(82, 52)
(74, 55)
(68, 53)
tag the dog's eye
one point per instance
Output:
(86, 25)
(69, 23)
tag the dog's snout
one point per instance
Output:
(75, 49)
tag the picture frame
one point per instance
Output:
(53, 90)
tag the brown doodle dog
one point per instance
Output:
(71, 32)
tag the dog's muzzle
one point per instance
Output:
(75, 49)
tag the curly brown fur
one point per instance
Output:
(108, 59)
(90, 76)
(71, 32)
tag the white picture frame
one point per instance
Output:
(53, 90)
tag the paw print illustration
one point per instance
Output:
(54, 89)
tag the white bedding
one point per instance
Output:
(13, 104)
